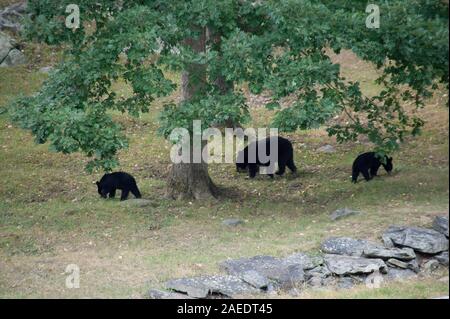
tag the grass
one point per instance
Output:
(51, 215)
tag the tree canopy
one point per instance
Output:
(271, 45)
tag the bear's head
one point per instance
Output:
(388, 166)
(100, 190)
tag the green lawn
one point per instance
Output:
(52, 216)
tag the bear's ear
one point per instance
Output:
(390, 159)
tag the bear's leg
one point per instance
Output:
(355, 174)
(291, 165)
(281, 169)
(112, 193)
(135, 191)
(366, 175)
(252, 168)
(125, 193)
(374, 171)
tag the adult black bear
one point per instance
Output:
(284, 156)
(368, 164)
(118, 180)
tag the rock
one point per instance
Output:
(422, 240)
(138, 202)
(307, 261)
(400, 274)
(203, 287)
(444, 279)
(161, 294)
(15, 57)
(345, 283)
(346, 246)
(326, 149)
(430, 265)
(396, 263)
(255, 279)
(440, 224)
(232, 222)
(442, 258)
(10, 17)
(6, 45)
(284, 274)
(347, 265)
(387, 253)
(343, 212)
(412, 265)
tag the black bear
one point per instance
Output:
(118, 180)
(284, 156)
(368, 164)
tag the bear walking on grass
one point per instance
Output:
(284, 157)
(368, 164)
(118, 180)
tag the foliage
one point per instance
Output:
(278, 46)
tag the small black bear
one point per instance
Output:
(368, 164)
(285, 156)
(118, 180)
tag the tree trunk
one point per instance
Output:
(191, 180)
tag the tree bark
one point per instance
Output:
(191, 180)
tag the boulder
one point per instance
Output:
(345, 283)
(284, 274)
(255, 279)
(348, 265)
(15, 57)
(422, 240)
(6, 45)
(161, 294)
(387, 253)
(11, 16)
(307, 261)
(343, 212)
(430, 265)
(412, 265)
(205, 286)
(346, 246)
(399, 274)
(232, 222)
(440, 224)
(442, 258)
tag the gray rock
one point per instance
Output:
(430, 265)
(255, 279)
(320, 271)
(440, 224)
(412, 265)
(345, 283)
(307, 261)
(15, 57)
(11, 16)
(284, 274)
(400, 274)
(203, 287)
(346, 246)
(6, 45)
(387, 253)
(423, 240)
(442, 258)
(396, 263)
(232, 222)
(326, 149)
(348, 265)
(161, 294)
(343, 212)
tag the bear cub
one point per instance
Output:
(368, 164)
(118, 180)
(285, 156)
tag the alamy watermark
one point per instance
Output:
(73, 278)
